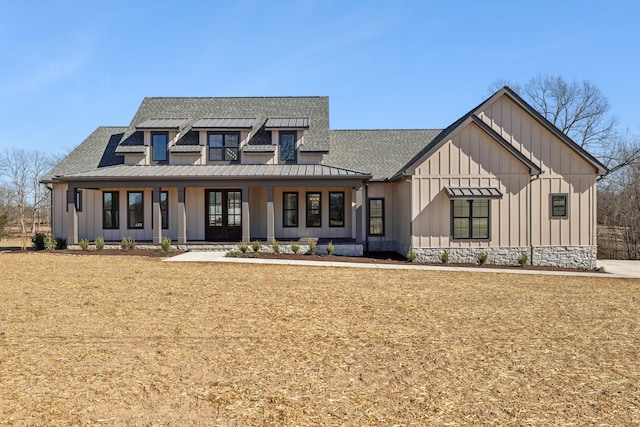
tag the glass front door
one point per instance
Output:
(223, 215)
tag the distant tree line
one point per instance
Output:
(25, 204)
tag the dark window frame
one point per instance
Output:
(114, 210)
(564, 206)
(295, 151)
(470, 217)
(130, 211)
(164, 213)
(309, 209)
(77, 198)
(370, 217)
(296, 209)
(340, 210)
(166, 147)
(224, 147)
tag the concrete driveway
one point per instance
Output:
(620, 267)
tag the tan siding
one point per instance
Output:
(194, 199)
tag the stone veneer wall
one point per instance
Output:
(582, 257)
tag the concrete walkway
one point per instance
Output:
(622, 271)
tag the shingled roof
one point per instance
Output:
(97, 151)
(379, 152)
(313, 111)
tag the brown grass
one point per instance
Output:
(136, 341)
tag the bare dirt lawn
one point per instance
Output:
(125, 340)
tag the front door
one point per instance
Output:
(223, 215)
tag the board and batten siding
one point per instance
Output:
(564, 171)
(470, 159)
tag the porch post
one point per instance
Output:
(182, 217)
(270, 216)
(157, 216)
(72, 217)
(246, 218)
(359, 214)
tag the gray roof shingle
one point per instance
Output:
(380, 152)
(97, 151)
(315, 109)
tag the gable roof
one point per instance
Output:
(472, 117)
(311, 112)
(382, 152)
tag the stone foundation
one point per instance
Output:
(581, 257)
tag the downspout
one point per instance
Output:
(365, 211)
(50, 188)
(408, 181)
(537, 176)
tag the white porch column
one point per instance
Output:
(359, 214)
(157, 216)
(271, 223)
(72, 217)
(246, 218)
(182, 217)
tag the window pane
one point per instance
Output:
(215, 141)
(290, 211)
(164, 209)
(135, 209)
(559, 205)
(159, 147)
(290, 200)
(291, 219)
(376, 217)
(231, 140)
(480, 208)
(336, 209)
(231, 154)
(107, 197)
(480, 229)
(375, 226)
(287, 147)
(215, 154)
(460, 208)
(461, 228)
(314, 218)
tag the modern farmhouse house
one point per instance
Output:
(500, 181)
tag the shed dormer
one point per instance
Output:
(287, 136)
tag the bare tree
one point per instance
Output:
(581, 111)
(14, 166)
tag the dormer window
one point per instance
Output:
(224, 146)
(159, 145)
(287, 147)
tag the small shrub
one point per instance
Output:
(295, 248)
(276, 246)
(99, 243)
(128, 243)
(49, 243)
(255, 246)
(313, 246)
(38, 241)
(330, 248)
(444, 257)
(482, 257)
(61, 243)
(411, 255)
(166, 245)
(243, 246)
(84, 244)
(522, 259)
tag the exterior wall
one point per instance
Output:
(402, 216)
(302, 231)
(136, 159)
(564, 172)
(309, 158)
(194, 205)
(460, 162)
(258, 158)
(186, 159)
(387, 242)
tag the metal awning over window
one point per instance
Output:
(473, 193)
(287, 123)
(225, 123)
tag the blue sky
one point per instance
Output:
(70, 66)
